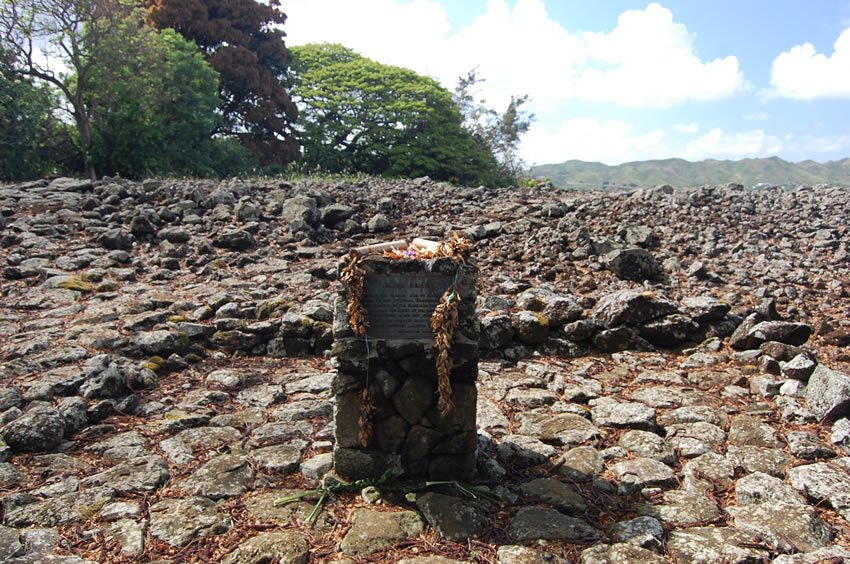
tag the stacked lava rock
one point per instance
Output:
(399, 407)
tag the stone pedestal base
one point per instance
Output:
(410, 437)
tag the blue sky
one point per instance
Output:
(617, 81)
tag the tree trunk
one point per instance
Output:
(84, 128)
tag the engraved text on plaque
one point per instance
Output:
(400, 305)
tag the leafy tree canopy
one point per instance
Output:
(499, 132)
(361, 115)
(28, 131)
(154, 110)
(243, 42)
(59, 43)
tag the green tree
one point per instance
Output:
(243, 41)
(153, 113)
(59, 43)
(500, 133)
(30, 135)
(361, 115)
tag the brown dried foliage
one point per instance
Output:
(354, 277)
(459, 248)
(367, 408)
(242, 40)
(443, 324)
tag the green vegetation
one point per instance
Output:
(89, 86)
(360, 115)
(243, 41)
(77, 284)
(155, 112)
(499, 133)
(679, 172)
(202, 88)
(28, 134)
(57, 44)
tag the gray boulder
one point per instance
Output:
(246, 211)
(335, 214)
(828, 393)
(800, 367)
(237, 240)
(10, 397)
(783, 527)
(535, 523)
(669, 331)
(633, 264)
(116, 239)
(639, 473)
(41, 428)
(496, 332)
(300, 210)
(174, 235)
(631, 307)
(180, 521)
(379, 223)
(703, 309)
(786, 332)
(65, 184)
(619, 553)
(275, 546)
(556, 308)
(455, 519)
(639, 235)
(531, 328)
(110, 383)
(823, 481)
(141, 226)
(739, 339)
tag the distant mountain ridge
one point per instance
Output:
(679, 172)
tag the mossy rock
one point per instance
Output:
(176, 415)
(154, 363)
(183, 340)
(271, 307)
(77, 284)
(108, 286)
(86, 512)
(544, 321)
(91, 277)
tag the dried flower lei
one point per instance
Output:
(354, 277)
(367, 410)
(458, 248)
(445, 319)
(443, 324)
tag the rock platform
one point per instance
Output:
(665, 373)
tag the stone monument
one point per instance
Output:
(393, 410)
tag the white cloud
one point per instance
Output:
(690, 127)
(646, 60)
(802, 73)
(835, 144)
(717, 143)
(385, 30)
(652, 64)
(615, 141)
(609, 141)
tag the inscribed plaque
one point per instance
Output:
(400, 305)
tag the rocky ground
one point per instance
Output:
(665, 374)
